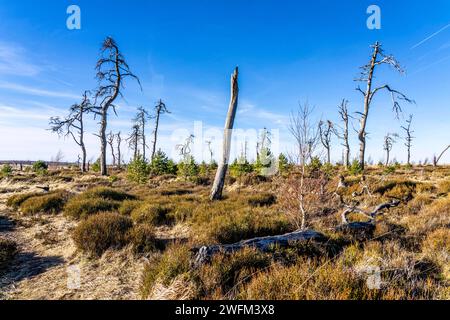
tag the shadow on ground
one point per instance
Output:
(27, 265)
(6, 224)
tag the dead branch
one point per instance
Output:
(370, 215)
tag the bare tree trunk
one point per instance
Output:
(83, 160)
(144, 145)
(103, 165)
(155, 137)
(119, 155)
(343, 111)
(83, 147)
(111, 145)
(219, 181)
(436, 159)
(367, 97)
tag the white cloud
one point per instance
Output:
(14, 62)
(37, 92)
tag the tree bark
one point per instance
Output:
(219, 181)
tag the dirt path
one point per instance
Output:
(49, 267)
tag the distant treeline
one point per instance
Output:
(30, 163)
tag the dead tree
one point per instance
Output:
(365, 228)
(119, 152)
(73, 125)
(306, 135)
(344, 133)
(219, 181)
(367, 75)
(437, 159)
(211, 152)
(110, 139)
(160, 109)
(141, 120)
(389, 141)
(112, 70)
(264, 244)
(134, 140)
(408, 138)
(326, 130)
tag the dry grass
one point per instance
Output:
(164, 268)
(409, 247)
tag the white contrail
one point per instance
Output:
(428, 38)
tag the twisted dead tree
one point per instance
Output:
(364, 228)
(219, 181)
(112, 70)
(326, 130)
(73, 125)
(160, 109)
(389, 141)
(438, 158)
(110, 139)
(367, 75)
(408, 138)
(141, 120)
(344, 132)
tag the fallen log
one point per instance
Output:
(203, 254)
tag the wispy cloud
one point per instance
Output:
(13, 61)
(36, 91)
(247, 109)
(430, 37)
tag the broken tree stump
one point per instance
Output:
(203, 254)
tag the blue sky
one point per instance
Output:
(185, 51)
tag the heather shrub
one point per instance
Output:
(101, 232)
(225, 274)
(143, 239)
(51, 203)
(80, 208)
(152, 213)
(262, 200)
(95, 200)
(16, 200)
